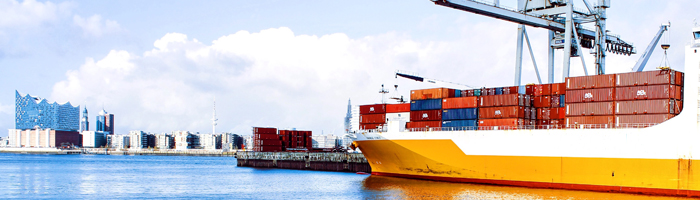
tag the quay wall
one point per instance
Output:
(340, 162)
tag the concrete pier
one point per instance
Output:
(341, 162)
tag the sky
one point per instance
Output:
(158, 66)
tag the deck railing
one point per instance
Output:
(527, 127)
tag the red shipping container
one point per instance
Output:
(426, 115)
(424, 124)
(528, 100)
(548, 113)
(679, 92)
(543, 90)
(590, 95)
(588, 109)
(467, 93)
(543, 122)
(263, 130)
(679, 107)
(646, 92)
(502, 100)
(373, 109)
(510, 90)
(369, 126)
(528, 112)
(397, 108)
(543, 102)
(487, 124)
(373, 118)
(267, 148)
(459, 102)
(273, 142)
(555, 101)
(265, 136)
(659, 106)
(680, 78)
(595, 120)
(558, 88)
(501, 112)
(658, 77)
(530, 89)
(559, 122)
(590, 82)
(434, 93)
(642, 119)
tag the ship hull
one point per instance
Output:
(444, 160)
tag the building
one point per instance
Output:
(94, 139)
(231, 141)
(355, 121)
(119, 141)
(325, 141)
(4, 142)
(348, 118)
(84, 122)
(165, 141)
(185, 140)
(248, 142)
(33, 112)
(138, 140)
(105, 122)
(210, 141)
(44, 138)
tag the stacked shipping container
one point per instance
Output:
(266, 140)
(294, 140)
(604, 100)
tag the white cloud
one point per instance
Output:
(95, 26)
(7, 109)
(269, 78)
(30, 13)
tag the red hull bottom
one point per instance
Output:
(597, 188)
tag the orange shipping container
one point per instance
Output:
(459, 102)
(590, 95)
(502, 112)
(434, 93)
(372, 109)
(657, 77)
(659, 106)
(510, 123)
(543, 89)
(542, 102)
(424, 124)
(589, 109)
(646, 92)
(373, 118)
(594, 120)
(502, 100)
(589, 82)
(510, 90)
(680, 78)
(642, 119)
(679, 92)
(397, 108)
(558, 88)
(549, 113)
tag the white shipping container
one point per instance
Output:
(404, 116)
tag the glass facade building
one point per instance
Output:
(105, 122)
(34, 112)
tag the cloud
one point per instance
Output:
(30, 13)
(95, 26)
(268, 78)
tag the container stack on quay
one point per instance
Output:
(265, 139)
(611, 100)
(296, 141)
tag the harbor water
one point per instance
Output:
(28, 176)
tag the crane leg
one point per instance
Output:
(532, 55)
(519, 55)
(550, 58)
(567, 40)
(580, 54)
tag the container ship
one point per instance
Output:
(624, 132)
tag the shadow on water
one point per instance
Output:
(403, 188)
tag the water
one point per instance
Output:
(182, 177)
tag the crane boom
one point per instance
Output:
(650, 49)
(428, 80)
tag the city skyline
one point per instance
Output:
(273, 63)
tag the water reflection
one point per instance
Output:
(402, 188)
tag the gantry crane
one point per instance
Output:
(564, 23)
(650, 49)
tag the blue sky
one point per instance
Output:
(158, 65)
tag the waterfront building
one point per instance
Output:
(164, 141)
(84, 122)
(325, 141)
(44, 138)
(348, 118)
(105, 122)
(119, 141)
(248, 141)
(231, 141)
(210, 141)
(185, 140)
(94, 139)
(138, 140)
(355, 121)
(4, 142)
(33, 112)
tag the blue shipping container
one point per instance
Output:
(499, 91)
(562, 101)
(521, 89)
(459, 123)
(458, 93)
(459, 114)
(429, 104)
(477, 92)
